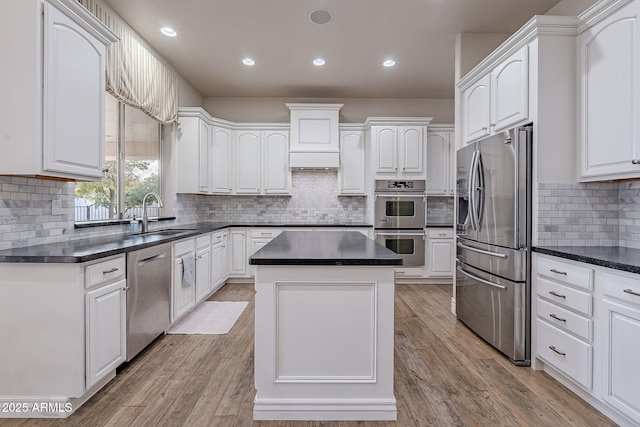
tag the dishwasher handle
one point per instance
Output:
(152, 259)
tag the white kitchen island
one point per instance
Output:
(324, 328)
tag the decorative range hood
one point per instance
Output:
(314, 139)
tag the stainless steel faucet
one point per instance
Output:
(145, 218)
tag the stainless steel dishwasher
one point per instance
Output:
(148, 296)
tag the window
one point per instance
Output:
(135, 138)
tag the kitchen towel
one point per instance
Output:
(211, 317)
(188, 269)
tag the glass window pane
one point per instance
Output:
(99, 200)
(142, 162)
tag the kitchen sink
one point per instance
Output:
(168, 232)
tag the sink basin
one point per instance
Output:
(168, 232)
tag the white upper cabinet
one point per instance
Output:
(498, 99)
(54, 90)
(476, 109)
(440, 159)
(262, 163)
(248, 162)
(399, 148)
(352, 173)
(193, 147)
(610, 96)
(222, 149)
(510, 91)
(276, 174)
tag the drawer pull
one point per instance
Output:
(113, 270)
(557, 295)
(553, 270)
(553, 348)
(629, 291)
(553, 316)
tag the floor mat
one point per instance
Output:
(211, 317)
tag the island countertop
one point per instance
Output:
(324, 248)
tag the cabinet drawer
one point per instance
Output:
(202, 241)
(265, 233)
(561, 271)
(566, 353)
(565, 296)
(183, 246)
(565, 319)
(218, 238)
(440, 233)
(107, 271)
(622, 288)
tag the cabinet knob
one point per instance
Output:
(635, 161)
(484, 128)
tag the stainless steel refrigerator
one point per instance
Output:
(493, 238)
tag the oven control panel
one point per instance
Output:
(386, 185)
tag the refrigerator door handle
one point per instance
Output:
(486, 282)
(482, 251)
(471, 192)
(480, 188)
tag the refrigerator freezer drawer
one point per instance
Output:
(496, 309)
(503, 262)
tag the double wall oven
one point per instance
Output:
(400, 219)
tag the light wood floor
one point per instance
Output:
(444, 376)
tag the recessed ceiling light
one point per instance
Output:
(168, 31)
(321, 16)
(389, 63)
(319, 62)
(248, 61)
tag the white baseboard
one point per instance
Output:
(325, 409)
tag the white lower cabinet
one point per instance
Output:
(183, 295)
(219, 259)
(203, 267)
(238, 253)
(106, 330)
(586, 330)
(441, 252)
(258, 238)
(621, 341)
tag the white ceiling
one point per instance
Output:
(214, 36)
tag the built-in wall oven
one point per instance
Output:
(400, 218)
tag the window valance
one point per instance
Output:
(134, 75)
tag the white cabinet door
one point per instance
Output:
(219, 259)
(411, 150)
(441, 253)
(476, 114)
(510, 91)
(238, 253)
(184, 296)
(248, 162)
(438, 163)
(221, 172)
(203, 273)
(106, 339)
(203, 157)
(385, 139)
(73, 125)
(352, 173)
(277, 175)
(621, 330)
(610, 104)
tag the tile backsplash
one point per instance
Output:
(35, 211)
(440, 210)
(314, 199)
(589, 214)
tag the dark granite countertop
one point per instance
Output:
(83, 250)
(616, 257)
(439, 226)
(324, 248)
